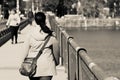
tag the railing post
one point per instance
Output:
(61, 46)
(78, 63)
(78, 66)
(68, 61)
(67, 47)
(68, 37)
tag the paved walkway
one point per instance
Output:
(11, 57)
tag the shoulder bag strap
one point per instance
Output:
(44, 44)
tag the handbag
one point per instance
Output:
(29, 65)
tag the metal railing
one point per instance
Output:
(75, 59)
(2, 25)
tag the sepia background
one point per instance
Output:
(91, 25)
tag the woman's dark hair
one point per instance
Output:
(40, 19)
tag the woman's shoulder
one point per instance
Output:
(36, 34)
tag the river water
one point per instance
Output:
(103, 47)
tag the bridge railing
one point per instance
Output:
(2, 25)
(77, 63)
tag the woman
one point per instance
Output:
(13, 22)
(30, 16)
(46, 67)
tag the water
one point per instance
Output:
(103, 47)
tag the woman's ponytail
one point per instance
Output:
(40, 19)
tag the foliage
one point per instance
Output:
(114, 6)
(89, 8)
(50, 5)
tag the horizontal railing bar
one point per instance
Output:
(100, 75)
(75, 45)
(65, 34)
(95, 68)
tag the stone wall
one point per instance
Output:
(78, 21)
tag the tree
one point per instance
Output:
(114, 6)
(50, 5)
(53, 4)
(91, 8)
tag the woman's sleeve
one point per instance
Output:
(8, 21)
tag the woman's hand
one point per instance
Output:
(54, 34)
